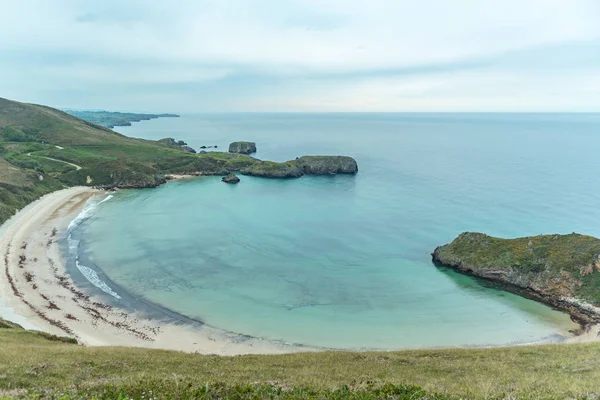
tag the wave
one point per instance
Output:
(88, 210)
(110, 196)
(89, 274)
(92, 276)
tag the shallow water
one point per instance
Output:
(344, 261)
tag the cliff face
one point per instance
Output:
(270, 169)
(326, 165)
(560, 270)
(242, 147)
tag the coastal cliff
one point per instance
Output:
(270, 169)
(326, 165)
(43, 149)
(562, 271)
(306, 165)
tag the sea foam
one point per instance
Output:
(89, 274)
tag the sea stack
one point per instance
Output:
(242, 147)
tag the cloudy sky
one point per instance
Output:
(303, 55)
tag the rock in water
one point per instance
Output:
(230, 178)
(242, 147)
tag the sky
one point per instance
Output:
(302, 55)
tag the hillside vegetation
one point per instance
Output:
(561, 270)
(43, 149)
(34, 364)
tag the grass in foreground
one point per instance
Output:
(31, 365)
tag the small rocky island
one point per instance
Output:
(231, 178)
(242, 147)
(562, 271)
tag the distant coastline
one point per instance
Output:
(110, 119)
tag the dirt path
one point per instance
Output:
(77, 167)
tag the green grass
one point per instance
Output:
(562, 265)
(32, 364)
(19, 187)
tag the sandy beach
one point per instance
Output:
(36, 291)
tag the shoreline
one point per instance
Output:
(583, 314)
(35, 287)
(37, 290)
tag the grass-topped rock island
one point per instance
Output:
(562, 271)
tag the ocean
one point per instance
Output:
(344, 261)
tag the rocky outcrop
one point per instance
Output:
(562, 271)
(307, 165)
(141, 183)
(270, 169)
(326, 165)
(230, 178)
(175, 144)
(242, 147)
(188, 149)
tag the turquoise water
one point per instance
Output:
(345, 261)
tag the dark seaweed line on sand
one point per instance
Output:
(58, 324)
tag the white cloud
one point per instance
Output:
(373, 34)
(94, 45)
(482, 91)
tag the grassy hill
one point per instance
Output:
(43, 366)
(43, 149)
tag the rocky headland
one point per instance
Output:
(326, 165)
(306, 165)
(562, 271)
(44, 150)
